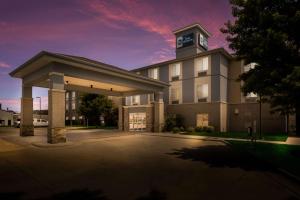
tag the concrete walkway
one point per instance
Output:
(289, 141)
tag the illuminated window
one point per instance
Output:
(201, 65)
(135, 100)
(73, 105)
(67, 106)
(153, 73)
(67, 95)
(202, 92)
(202, 119)
(127, 101)
(67, 118)
(73, 94)
(73, 118)
(175, 71)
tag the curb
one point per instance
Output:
(58, 145)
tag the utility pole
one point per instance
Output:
(260, 136)
(40, 105)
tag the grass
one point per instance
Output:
(243, 135)
(282, 156)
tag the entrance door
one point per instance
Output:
(137, 121)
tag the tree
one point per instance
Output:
(267, 32)
(93, 106)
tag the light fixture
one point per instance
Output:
(110, 89)
(91, 86)
(67, 82)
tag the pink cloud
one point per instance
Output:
(4, 65)
(135, 13)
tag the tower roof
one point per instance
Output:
(195, 25)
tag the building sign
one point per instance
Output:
(203, 41)
(185, 40)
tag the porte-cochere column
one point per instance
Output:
(26, 126)
(159, 112)
(56, 109)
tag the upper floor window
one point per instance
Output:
(67, 95)
(174, 95)
(202, 92)
(136, 100)
(73, 94)
(67, 105)
(175, 71)
(201, 66)
(153, 73)
(73, 105)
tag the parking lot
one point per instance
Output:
(101, 164)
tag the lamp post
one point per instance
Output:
(40, 105)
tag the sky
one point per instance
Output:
(124, 33)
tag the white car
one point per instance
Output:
(40, 122)
(36, 123)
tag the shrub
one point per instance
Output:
(199, 129)
(182, 129)
(210, 129)
(170, 123)
(175, 130)
(190, 129)
(173, 121)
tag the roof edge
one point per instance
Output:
(192, 26)
(220, 50)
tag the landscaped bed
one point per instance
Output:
(286, 157)
(242, 135)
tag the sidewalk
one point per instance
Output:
(289, 141)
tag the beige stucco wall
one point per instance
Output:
(5, 116)
(247, 114)
(190, 111)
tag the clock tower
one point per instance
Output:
(191, 40)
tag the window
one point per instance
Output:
(73, 105)
(127, 101)
(202, 119)
(251, 95)
(73, 94)
(202, 92)
(136, 100)
(151, 98)
(67, 106)
(67, 95)
(153, 73)
(175, 71)
(175, 95)
(249, 66)
(73, 118)
(201, 66)
(67, 118)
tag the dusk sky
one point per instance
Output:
(125, 33)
